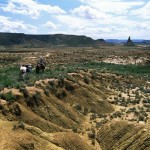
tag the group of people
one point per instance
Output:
(28, 68)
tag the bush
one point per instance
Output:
(46, 92)
(20, 125)
(9, 96)
(51, 83)
(91, 135)
(69, 87)
(141, 118)
(61, 95)
(94, 75)
(86, 80)
(24, 91)
(77, 106)
(16, 110)
(71, 78)
(53, 89)
(75, 129)
(61, 82)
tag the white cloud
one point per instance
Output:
(50, 25)
(143, 12)
(106, 18)
(6, 25)
(80, 26)
(112, 6)
(111, 27)
(94, 18)
(30, 8)
(89, 13)
(72, 22)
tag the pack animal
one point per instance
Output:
(40, 67)
(23, 70)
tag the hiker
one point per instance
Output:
(42, 61)
(40, 65)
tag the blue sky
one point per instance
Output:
(95, 18)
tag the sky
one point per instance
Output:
(107, 19)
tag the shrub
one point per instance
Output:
(61, 82)
(71, 78)
(91, 135)
(94, 75)
(36, 97)
(93, 142)
(9, 96)
(75, 129)
(69, 87)
(24, 91)
(85, 111)
(141, 118)
(51, 83)
(20, 125)
(46, 92)
(16, 110)
(61, 95)
(77, 107)
(30, 84)
(86, 80)
(120, 95)
(54, 89)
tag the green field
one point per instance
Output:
(9, 76)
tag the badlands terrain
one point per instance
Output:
(88, 98)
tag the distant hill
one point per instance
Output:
(7, 39)
(146, 42)
(100, 40)
(123, 41)
(115, 41)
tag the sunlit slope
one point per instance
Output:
(123, 135)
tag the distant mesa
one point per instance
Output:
(129, 42)
(9, 39)
(100, 40)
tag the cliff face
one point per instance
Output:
(7, 39)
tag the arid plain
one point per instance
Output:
(87, 98)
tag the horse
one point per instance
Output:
(23, 70)
(40, 66)
(29, 68)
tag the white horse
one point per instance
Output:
(23, 70)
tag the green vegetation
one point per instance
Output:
(116, 68)
(8, 96)
(9, 76)
(86, 80)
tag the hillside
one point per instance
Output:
(80, 102)
(7, 39)
(123, 135)
(51, 113)
(75, 111)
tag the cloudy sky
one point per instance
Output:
(95, 18)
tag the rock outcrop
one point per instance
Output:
(129, 42)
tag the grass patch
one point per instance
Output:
(9, 76)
